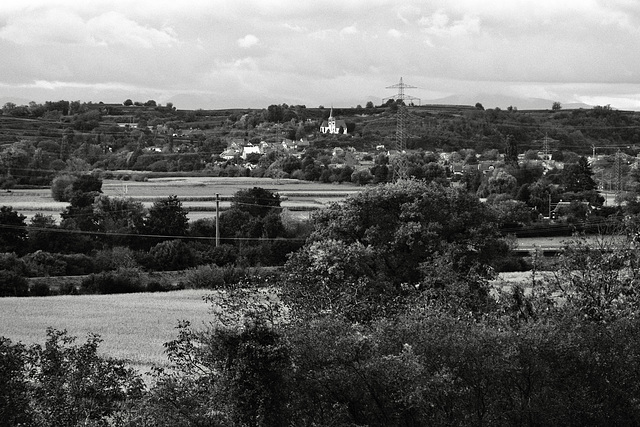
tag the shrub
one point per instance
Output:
(61, 187)
(78, 264)
(208, 276)
(42, 263)
(114, 258)
(68, 288)
(12, 284)
(125, 280)
(10, 261)
(171, 255)
(40, 289)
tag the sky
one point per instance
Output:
(254, 53)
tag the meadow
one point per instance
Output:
(134, 327)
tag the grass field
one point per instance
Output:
(133, 326)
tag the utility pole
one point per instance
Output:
(217, 219)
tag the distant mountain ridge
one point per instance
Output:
(503, 102)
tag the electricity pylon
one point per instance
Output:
(400, 165)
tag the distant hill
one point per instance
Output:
(17, 101)
(503, 102)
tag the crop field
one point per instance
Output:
(134, 327)
(197, 194)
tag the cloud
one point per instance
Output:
(53, 27)
(295, 28)
(439, 24)
(350, 30)
(394, 33)
(248, 41)
(113, 28)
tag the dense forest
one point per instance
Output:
(382, 310)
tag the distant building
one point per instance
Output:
(333, 126)
(250, 149)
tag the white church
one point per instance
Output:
(333, 126)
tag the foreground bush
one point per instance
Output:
(62, 384)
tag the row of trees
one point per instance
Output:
(100, 233)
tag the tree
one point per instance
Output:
(127, 103)
(118, 215)
(79, 213)
(578, 177)
(256, 201)
(13, 237)
(167, 218)
(385, 242)
(479, 106)
(556, 106)
(274, 113)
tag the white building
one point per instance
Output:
(333, 126)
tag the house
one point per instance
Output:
(229, 154)
(333, 126)
(250, 149)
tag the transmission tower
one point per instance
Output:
(618, 172)
(400, 165)
(546, 146)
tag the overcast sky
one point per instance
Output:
(238, 53)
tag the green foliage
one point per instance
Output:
(256, 201)
(578, 177)
(121, 281)
(118, 216)
(13, 237)
(204, 277)
(41, 234)
(14, 385)
(13, 284)
(600, 277)
(375, 252)
(72, 384)
(171, 255)
(167, 218)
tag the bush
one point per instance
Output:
(12, 284)
(10, 261)
(68, 288)
(114, 258)
(208, 276)
(42, 263)
(61, 187)
(40, 289)
(78, 264)
(121, 281)
(171, 255)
